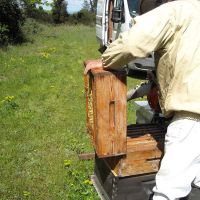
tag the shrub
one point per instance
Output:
(11, 20)
(82, 17)
(3, 34)
(59, 12)
(30, 28)
(39, 14)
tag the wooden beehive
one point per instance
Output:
(125, 150)
(144, 151)
(106, 111)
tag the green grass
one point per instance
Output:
(42, 111)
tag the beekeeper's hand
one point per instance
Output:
(92, 64)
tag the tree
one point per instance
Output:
(59, 11)
(11, 20)
(90, 5)
(93, 5)
(33, 9)
(86, 5)
(28, 4)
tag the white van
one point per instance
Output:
(115, 16)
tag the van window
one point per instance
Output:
(142, 6)
(133, 7)
(119, 4)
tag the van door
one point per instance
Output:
(101, 19)
(107, 30)
(129, 10)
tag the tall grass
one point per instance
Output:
(42, 116)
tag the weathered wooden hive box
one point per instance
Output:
(144, 151)
(127, 150)
(106, 111)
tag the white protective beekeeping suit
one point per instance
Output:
(172, 31)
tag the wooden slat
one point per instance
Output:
(139, 167)
(145, 137)
(110, 23)
(86, 156)
(138, 145)
(89, 106)
(135, 163)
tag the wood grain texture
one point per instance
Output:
(110, 23)
(106, 111)
(144, 151)
(86, 156)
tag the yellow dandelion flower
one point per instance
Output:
(67, 163)
(26, 193)
(87, 182)
(45, 54)
(9, 98)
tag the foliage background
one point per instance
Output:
(14, 13)
(11, 21)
